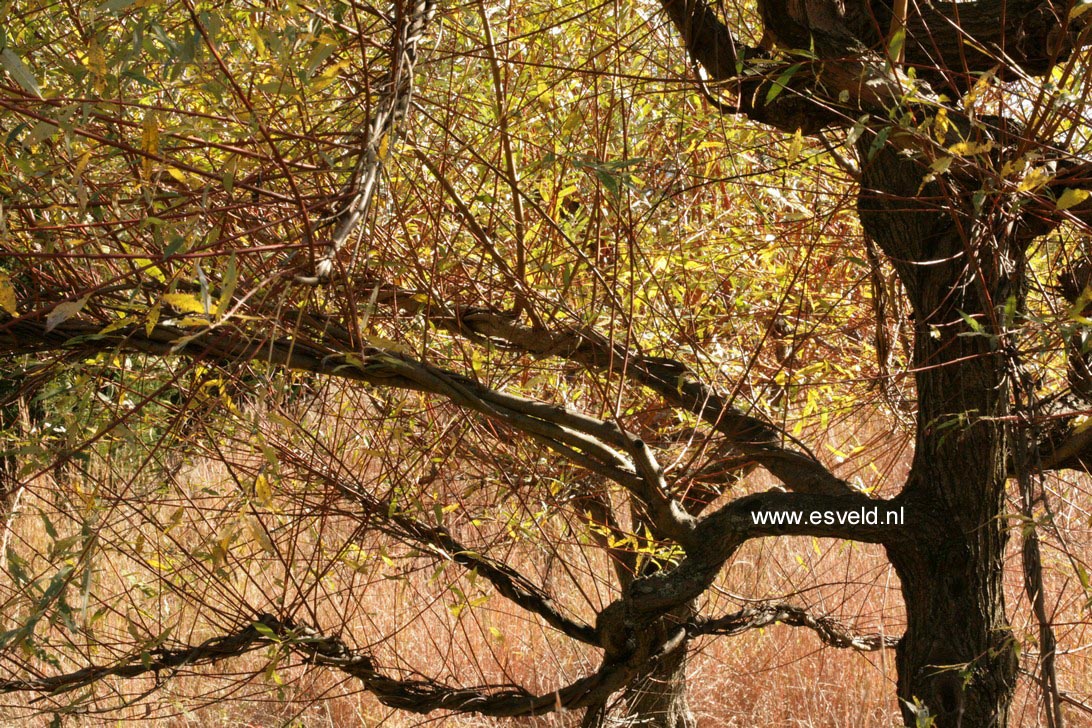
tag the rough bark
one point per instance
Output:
(957, 657)
(657, 698)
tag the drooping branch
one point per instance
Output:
(437, 540)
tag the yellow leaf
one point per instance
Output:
(120, 323)
(185, 302)
(153, 319)
(81, 163)
(380, 342)
(96, 59)
(941, 125)
(262, 491)
(261, 536)
(1034, 179)
(966, 149)
(1071, 197)
(148, 267)
(796, 146)
(179, 175)
(149, 143)
(941, 165)
(191, 321)
(7, 295)
(1014, 167)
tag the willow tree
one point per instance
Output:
(482, 291)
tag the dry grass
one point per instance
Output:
(149, 575)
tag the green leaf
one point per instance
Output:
(895, 44)
(19, 72)
(878, 142)
(39, 133)
(782, 82)
(264, 629)
(227, 288)
(976, 327)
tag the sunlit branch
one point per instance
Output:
(673, 381)
(677, 384)
(395, 93)
(586, 441)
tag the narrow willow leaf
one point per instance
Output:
(782, 82)
(15, 67)
(64, 311)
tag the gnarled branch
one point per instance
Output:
(830, 630)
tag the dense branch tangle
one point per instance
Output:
(821, 67)
(600, 446)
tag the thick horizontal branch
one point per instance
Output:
(425, 696)
(210, 651)
(1062, 438)
(830, 630)
(773, 513)
(414, 695)
(948, 45)
(674, 382)
(586, 441)
(1015, 37)
(855, 517)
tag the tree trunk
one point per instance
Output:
(957, 660)
(658, 699)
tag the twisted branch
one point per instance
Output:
(395, 97)
(830, 630)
